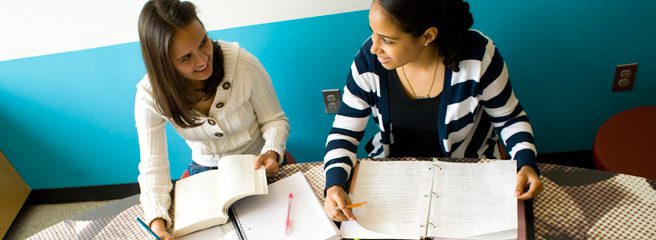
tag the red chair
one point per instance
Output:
(626, 143)
(502, 151)
(288, 159)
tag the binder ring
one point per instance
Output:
(431, 193)
(429, 223)
(437, 166)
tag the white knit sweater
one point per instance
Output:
(245, 117)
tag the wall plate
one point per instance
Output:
(331, 100)
(624, 77)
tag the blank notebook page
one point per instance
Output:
(263, 217)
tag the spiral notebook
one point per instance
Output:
(263, 217)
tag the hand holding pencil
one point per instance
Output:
(158, 230)
(354, 205)
(336, 205)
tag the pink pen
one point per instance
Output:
(289, 209)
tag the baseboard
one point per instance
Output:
(582, 159)
(82, 194)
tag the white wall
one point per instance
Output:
(39, 27)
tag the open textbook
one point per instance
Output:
(202, 200)
(436, 199)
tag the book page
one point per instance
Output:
(196, 198)
(397, 195)
(474, 199)
(241, 178)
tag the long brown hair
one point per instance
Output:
(158, 23)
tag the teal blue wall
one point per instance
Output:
(66, 119)
(562, 56)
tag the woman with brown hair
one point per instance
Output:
(216, 95)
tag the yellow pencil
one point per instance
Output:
(354, 205)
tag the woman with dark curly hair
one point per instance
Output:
(435, 88)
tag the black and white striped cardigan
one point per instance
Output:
(475, 101)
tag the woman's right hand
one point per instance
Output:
(335, 204)
(159, 227)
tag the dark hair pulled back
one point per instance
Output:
(452, 18)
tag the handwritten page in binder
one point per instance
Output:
(412, 199)
(474, 199)
(392, 207)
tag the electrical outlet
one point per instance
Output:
(331, 100)
(624, 77)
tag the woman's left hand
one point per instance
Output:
(528, 176)
(269, 160)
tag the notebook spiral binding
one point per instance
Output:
(239, 229)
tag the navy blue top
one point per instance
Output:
(414, 122)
